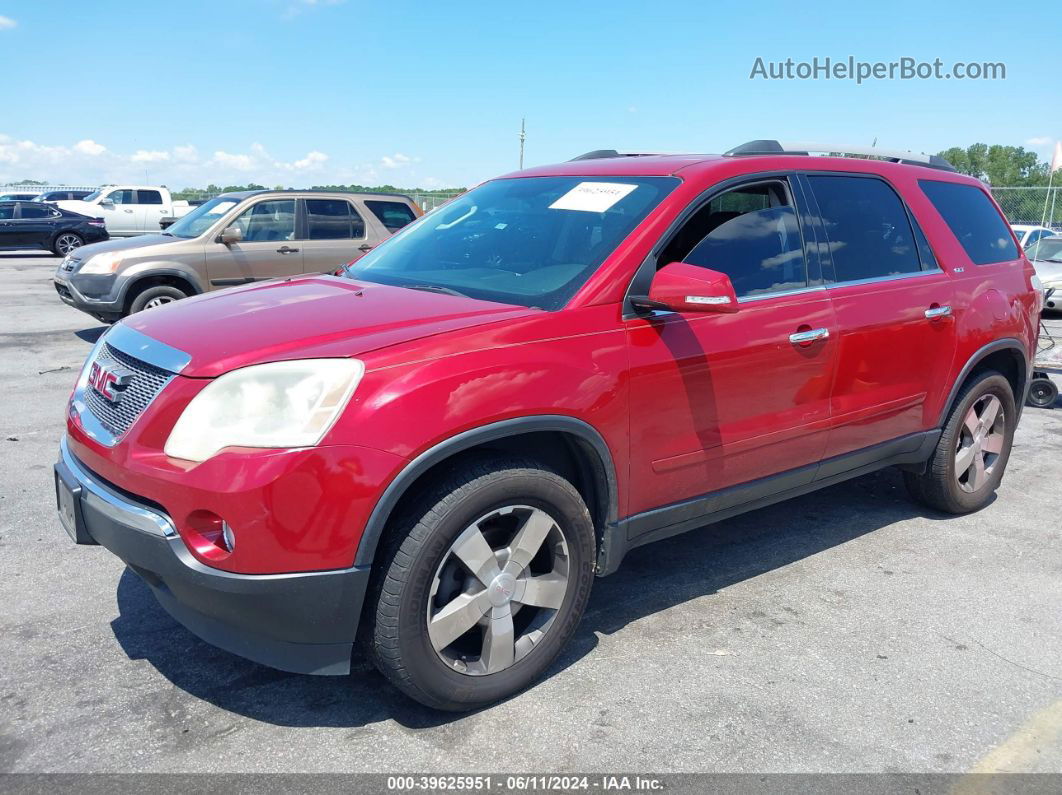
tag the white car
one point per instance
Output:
(1046, 257)
(128, 210)
(1028, 234)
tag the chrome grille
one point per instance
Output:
(146, 382)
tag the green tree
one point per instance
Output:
(999, 165)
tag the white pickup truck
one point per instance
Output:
(128, 209)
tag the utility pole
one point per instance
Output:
(523, 137)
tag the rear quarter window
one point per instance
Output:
(393, 215)
(973, 219)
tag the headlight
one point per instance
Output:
(102, 263)
(283, 404)
(1039, 287)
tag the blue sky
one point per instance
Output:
(298, 92)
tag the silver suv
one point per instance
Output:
(233, 239)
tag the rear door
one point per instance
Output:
(151, 209)
(893, 306)
(34, 224)
(335, 234)
(270, 247)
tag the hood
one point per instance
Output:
(1050, 273)
(126, 244)
(308, 317)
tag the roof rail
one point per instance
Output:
(601, 154)
(771, 147)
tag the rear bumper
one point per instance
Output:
(303, 622)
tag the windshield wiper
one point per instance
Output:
(168, 234)
(434, 288)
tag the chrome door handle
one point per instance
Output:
(127, 211)
(801, 337)
(938, 311)
(287, 250)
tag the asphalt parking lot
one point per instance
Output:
(848, 630)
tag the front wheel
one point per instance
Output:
(486, 580)
(968, 463)
(154, 297)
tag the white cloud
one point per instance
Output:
(1041, 140)
(6, 23)
(312, 160)
(88, 162)
(149, 156)
(397, 160)
(296, 7)
(90, 147)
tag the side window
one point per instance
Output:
(749, 233)
(121, 196)
(868, 232)
(332, 219)
(268, 221)
(7, 211)
(36, 211)
(973, 219)
(1034, 235)
(393, 215)
(148, 197)
(925, 252)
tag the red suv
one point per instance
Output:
(432, 455)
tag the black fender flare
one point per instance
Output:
(1006, 343)
(583, 431)
(149, 272)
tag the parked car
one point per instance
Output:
(1028, 234)
(33, 225)
(1046, 257)
(234, 239)
(17, 197)
(61, 195)
(433, 455)
(129, 209)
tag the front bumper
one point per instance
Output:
(303, 622)
(106, 301)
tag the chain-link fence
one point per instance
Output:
(1031, 205)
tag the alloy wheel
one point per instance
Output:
(67, 243)
(498, 589)
(159, 301)
(981, 440)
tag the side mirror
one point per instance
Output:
(232, 234)
(681, 287)
(105, 202)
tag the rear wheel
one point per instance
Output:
(968, 462)
(485, 585)
(67, 242)
(154, 297)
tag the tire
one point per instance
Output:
(1042, 393)
(155, 296)
(65, 242)
(485, 506)
(966, 439)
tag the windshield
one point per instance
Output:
(530, 241)
(202, 218)
(1046, 248)
(93, 196)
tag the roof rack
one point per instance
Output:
(601, 154)
(771, 147)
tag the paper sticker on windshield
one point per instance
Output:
(592, 197)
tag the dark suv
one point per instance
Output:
(433, 456)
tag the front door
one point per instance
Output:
(723, 399)
(122, 215)
(893, 306)
(9, 232)
(270, 246)
(34, 223)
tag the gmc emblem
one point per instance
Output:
(109, 383)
